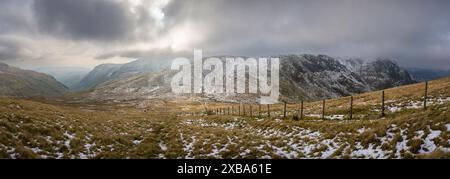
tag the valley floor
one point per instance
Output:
(33, 129)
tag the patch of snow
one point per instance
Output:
(335, 117)
(415, 105)
(162, 146)
(59, 155)
(394, 108)
(401, 145)
(428, 142)
(188, 146)
(216, 151)
(82, 156)
(361, 130)
(69, 139)
(12, 153)
(137, 142)
(314, 115)
(36, 149)
(369, 152)
(331, 147)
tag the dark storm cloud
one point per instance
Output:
(13, 48)
(9, 50)
(83, 19)
(403, 29)
(414, 32)
(15, 17)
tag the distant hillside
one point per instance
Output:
(421, 74)
(106, 72)
(69, 76)
(27, 83)
(98, 75)
(320, 76)
(302, 77)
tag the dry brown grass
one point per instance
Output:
(40, 128)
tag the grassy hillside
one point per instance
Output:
(167, 129)
(27, 83)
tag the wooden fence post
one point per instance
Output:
(301, 110)
(425, 96)
(323, 109)
(382, 104)
(239, 110)
(259, 111)
(243, 109)
(284, 113)
(351, 107)
(251, 111)
(268, 110)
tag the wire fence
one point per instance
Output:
(300, 111)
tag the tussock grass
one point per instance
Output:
(37, 128)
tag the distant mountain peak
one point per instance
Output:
(302, 77)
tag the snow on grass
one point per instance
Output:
(282, 152)
(203, 123)
(290, 142)
(69, 139)
(414, 105)
(397, 107)
(293, 141)
(244, 152)
(217, 149)
(12, 153)
(188, 147)
(428, 142)
(335, 117)
(297, 142)
(36, 150)
(49, 139)
(59, 155)
(369, 152)
(162, 146)
(361, 130)
(394, 108)
(331, 117)
(332, 146)
(314, 115)
(401, 145)
(136, 142)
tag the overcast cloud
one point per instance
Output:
(85, 33)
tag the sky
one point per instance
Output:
(86, 33)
